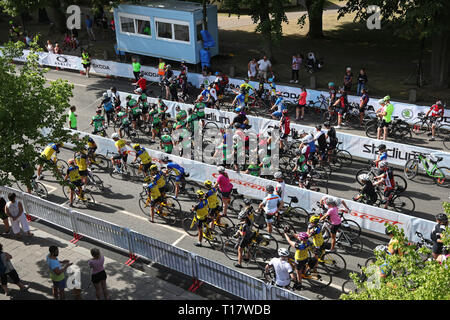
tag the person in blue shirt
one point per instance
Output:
(239, 100)
(382, 154)
(89, 29)
(177, 171)
(107, 105)
(279, 105)
(272, 90)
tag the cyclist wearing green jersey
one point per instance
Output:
(136, 111)
(192, 120)
(166, 142)
(162, 109)
(98, 121)
(144, 107)
(181, 114)
(253, 169)
(199, 108)
(124, 122)
(155, 121)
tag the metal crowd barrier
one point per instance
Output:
(236, 283)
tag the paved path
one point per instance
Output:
(124, 282)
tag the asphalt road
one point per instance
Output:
(119, 203)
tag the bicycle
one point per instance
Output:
(86, 198)
(398, 202)
(372, 171)
(120, 169)
(98, 161)
(397, 129)
(94, 181)
(169, 208)
(37, 188)
(317, 107)
(100, 131)
(339, 158)
(59, 165)
(425, 123)
(210, 235)
(440, 175)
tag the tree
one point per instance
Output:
(410, 278)
(21, 8)
(267, 14)
(414, 19)
(315, 14)
(32, 112)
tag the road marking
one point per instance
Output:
(49, 187)
(179, 239)
(77, 84)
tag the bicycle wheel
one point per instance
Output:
(349, 286)
(216, 241)
(89, 201)
(344, 157)
(403, 204)
(190, 227)
(420, 127)
(351, 246)
(321, 279)
(94, 181)
(66, 191)
(411, 168)
(230, 249)
(372, 131)
(351, 228)
(170, 210)
(61, 167)
(145, 207)
(101, 163)
(442, 176)
(446, 142)
(262, 256)
(333, 262)
(370, 261)
(400, 182)
(170, 186)
(39, 190)
(360, 173)
(282, 225)
(332, 118)
(226, 226)
(236, 205)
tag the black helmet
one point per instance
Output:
(442, 217)
(382, 147)
(319, 127)
(113, 89)
(270, 188)
(388, 231)
(326, 124)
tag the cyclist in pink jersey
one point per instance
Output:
(225, 187)
(335, 219)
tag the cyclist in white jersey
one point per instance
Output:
(271, 204)
(283, 269)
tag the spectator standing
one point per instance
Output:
(225, 188)
(296, 63)
(301, 105)
(89, 25)
(86, 62)
(348, 79)
(386, 116)
(73, 118)
(57, 269)
(136, 68)
(27, 40)
(4, 216)
(57, 49)
(67, 44)
(252, 69)
(49, 46)
(362, 80)
(264, 68)
(98, 274)
(363, 105)
(141, 85)
(14, 210)
(7, 270)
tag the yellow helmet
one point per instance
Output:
(200, 194)
(153, 167)
(136, 146)
(314, 219)
(208, 184)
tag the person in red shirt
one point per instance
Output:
(437, 114)
(341, 106)
(142, 84)
(301, 104)
(285, 126)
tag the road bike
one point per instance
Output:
(37, 188)
(339, 158)
(425, 123)
(190, 225)
(86, 198)
(122, 170)
(397, 129)
(59, 165)
(94, 181)
(429, 164)
(372, 171)
(168, 209)
(398, 201)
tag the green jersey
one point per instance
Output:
(154, 118)
(389, 110)
(180, 123)
(182, 115)
(200, 109)
(123, 116)
(135, 109)
(301, 163)
(162, 108)
(98, 122)
(253, 170)
(167, 144)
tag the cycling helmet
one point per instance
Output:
(442, 217)
(319, 127)
(242, 215)
(381, 101)
(364, 177)
(439, 103)
(383, 164)
(278, 175)
(165, 159)
(330, 201)
(136, 146)
(208, 184)
(314, 219)
(98, 111)
(200, 193)
(270, 80)
(283, 252)
(71, 161)
(153, 167)
(115, 135)
(217, 73)
(168, 66)
(330, 84)
(326, 124)
(270, 188)
(382, 147)
(238, 109)
(247, 202)
(105, 95)
(143, 96)
(302, 236)
(387, 98)
(113, 89)
(221, 169)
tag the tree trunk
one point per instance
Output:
(440, 57)
(59, 16)
(315, 12)
(205, 15)
(266, 28)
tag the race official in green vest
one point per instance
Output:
(86, 62)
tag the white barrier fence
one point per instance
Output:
(237, 283)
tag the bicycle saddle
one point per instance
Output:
(294, 199)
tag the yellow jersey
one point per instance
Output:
(154, 191)
(159, 179)
(211, 197)
(201, 209)
(144, 156)
(81, 160)
(316, 233)
(49, 151)
(74, 174)
(121, 146)
(302, 251)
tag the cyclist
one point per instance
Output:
(272, 204)
(339, 202)
(166, 142)
(74, 177)
(333, 95)
(281, 185)
(146, 160)
(155, 197)
(199, 109)
(81, 160)
(46, 156)
(341, 105)
(437, 115)
(302, 261)
(124, 122)
(331, 136)
(245, 235)
(285, 126)
(367, 192)
(283, 269)
(213, 202)
(437, 234)
(320, 137)
(272, 90)
(143, 104)
(392, 248)
(335, 220)
(201, 212)
(122, 152)
(162, 109)
(107, 106)
(239, 100)
(302, 166)
(225, 187)
(133, 106)
(385, 115)
(192, 120)
(204, 94)
(91, 147)
(279, 105)
(158, 177)
(155, 122)
(363, 101)
(240, 119)
(98, 121)
(253, 169)
(382, 155)
(176, 170)
(181, 114)
(246, 87)
(386, 178)
(212, 95)
(314, 231)
(115, 96)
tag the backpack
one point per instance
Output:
(2, 266)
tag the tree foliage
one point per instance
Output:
(410, 277)
(32, 112)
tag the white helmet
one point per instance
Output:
(283, 252)
(115, 135)
(221, 169)
(383, 164)
(364, 177)
(278, 175)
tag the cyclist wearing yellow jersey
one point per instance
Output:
(158, 178)
(155, 197)
(81, 160)
(213, 202)
(246, 87)
(142, 154)
(46, 156)
(315, 232)
(176, 171)
(74, 177)
(91, 147)
(121, 146)
(201, 212)
(302, 260)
